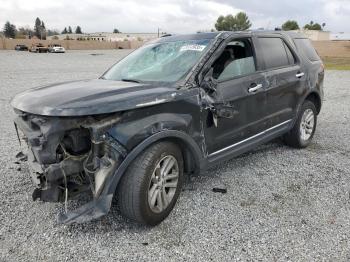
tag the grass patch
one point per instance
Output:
(336, 63)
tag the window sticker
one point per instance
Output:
(198, 48)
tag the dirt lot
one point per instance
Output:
(281, 203)
(337, 63)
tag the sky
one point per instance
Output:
(171, 16)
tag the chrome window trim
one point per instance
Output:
(249, 138)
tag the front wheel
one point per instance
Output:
(150, 187)
(301, 134)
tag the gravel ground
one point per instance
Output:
(281, 203)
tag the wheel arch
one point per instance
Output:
(315, 98)
(194, 160)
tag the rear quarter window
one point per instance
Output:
(305, 46)
(275, 52)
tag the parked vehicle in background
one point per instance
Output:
(173, 107)
(55, 48)
(21, 48)
(38, 48)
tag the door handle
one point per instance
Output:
(254, 88)
(300, 74)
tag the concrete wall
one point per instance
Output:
(324, 48)
(71, 44)
(316, 35)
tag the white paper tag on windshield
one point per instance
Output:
(198, 48)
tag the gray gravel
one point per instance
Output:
(281, 203)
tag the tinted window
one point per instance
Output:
(305, 46)
(236, 60)
(274, 52)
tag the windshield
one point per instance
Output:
(163, 62)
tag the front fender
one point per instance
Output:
(196, 152)
(102, 204)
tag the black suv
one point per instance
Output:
(171, 108)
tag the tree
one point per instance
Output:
(313, 26)
(116, 31)
(242, 21)
(9, 30)
(70, 30)
(316, 26)
(290, 25)
(78, 30)
(64, 31)
(43, 31)
(37, 28)
(25, 31)
(51, 32)
(239, 22)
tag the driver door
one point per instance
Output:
(237, 111)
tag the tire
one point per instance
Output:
(298, 138)
(139, 185)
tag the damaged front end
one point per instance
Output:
(69, 156)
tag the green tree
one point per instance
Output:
(64, 31)
(78, 30)
(290, 25)
(242, 21)
(70, 30)
(313, 26)
(9, 30)
(239, 22)
(43, 31)
(37, 28)
(116, 31)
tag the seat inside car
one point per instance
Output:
(231, 53)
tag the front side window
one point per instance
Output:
(236, 60)
(274, 52)
(159, 62)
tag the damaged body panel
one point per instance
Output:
(200, 98)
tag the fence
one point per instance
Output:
(10, 44)
(324, 48)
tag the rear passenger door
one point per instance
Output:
(283, 76)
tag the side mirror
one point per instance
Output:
(209, 83)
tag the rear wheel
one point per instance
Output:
(304, 128)
(150, 187)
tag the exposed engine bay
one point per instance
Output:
(68, 156)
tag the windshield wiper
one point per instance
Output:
(131, 80)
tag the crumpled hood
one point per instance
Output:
(89, 97)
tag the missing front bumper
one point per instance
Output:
(70, 156)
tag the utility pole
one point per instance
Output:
(158, 31)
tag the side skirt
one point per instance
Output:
(248, 143)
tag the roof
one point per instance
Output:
(197, 36)
(212, 35)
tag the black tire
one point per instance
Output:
(133, 189)
(294, 137)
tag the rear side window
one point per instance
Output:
(275, 52)
(304, 45)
